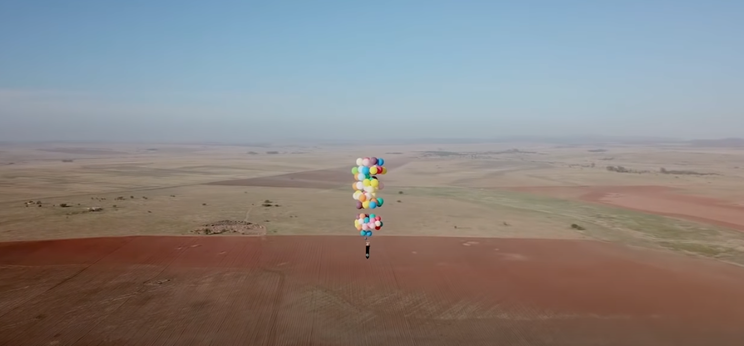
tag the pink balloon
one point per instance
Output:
(380, 186)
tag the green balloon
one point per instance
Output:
(380, 202)
(354, 170)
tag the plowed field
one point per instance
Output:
(322, 291)
(654, 200)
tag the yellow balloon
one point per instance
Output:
(384, 170)
(365, 182)
(373, 170)
(375, 183)
(365, 204)
(356, 223)
(359, 228)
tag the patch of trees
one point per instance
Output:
(621, 169)
(682, 172)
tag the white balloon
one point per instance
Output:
(359, 161)
(359, 185)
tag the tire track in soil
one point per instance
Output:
(240, 321)
(451, 307)
(340, 308)
(255, 303)
(400, 322)
(204, 329)
(44, 305)
(146, 261)
(486, 305)
(21, 284)
(286, 325)
(313, 302)
(188, 267)
(320, 290)
(129, 323)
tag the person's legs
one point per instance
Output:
(367, 254)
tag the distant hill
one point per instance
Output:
(718, 143)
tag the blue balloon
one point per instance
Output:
(372, 205)
(380, 161)
(369, 233)
(362, 233)
(366, 220)
(365, 170)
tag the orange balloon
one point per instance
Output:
(362, 198)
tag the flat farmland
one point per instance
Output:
(288, 290)
(515, 244)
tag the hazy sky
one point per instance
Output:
(248, 70)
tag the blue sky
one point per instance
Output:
(249, 70)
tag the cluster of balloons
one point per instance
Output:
(367, 185)
(365, 223)
(365, 193)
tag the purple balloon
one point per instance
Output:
(372, 161)
(359, 205)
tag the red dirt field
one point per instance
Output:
(313, 290)
(653, 199)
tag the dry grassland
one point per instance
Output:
(537, 191)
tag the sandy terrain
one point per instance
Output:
(319, 290)
(525, 225)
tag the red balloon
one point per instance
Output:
(377, 228)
